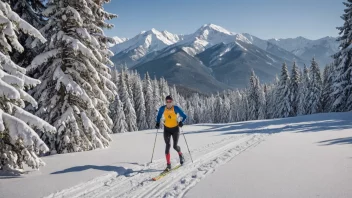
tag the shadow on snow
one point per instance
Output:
(311, 123)
(340, 141)
(118, 169)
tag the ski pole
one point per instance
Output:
(156, 135)
(187, 144)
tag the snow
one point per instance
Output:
(271, 58)
(308, 160)
(305, 156)
(301, 45)
(146, 42)
(209, 35)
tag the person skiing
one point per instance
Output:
(170, 114)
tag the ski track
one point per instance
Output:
(138, 183)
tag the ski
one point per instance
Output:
(164, 173)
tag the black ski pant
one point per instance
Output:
(175, 133)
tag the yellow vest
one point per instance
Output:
(170, 118)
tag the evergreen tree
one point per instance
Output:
(342, 85)
(294, 90)
(76, 88)
(314, 89)
(149, 102)
(256, 98)
(226, 109)
(119, 119)
(164, 88)
(129, 86)
(283, 94)
(304, 92)
(139, 104)
(19, 143)
(218, 103)
(156, 95)
(131, 118)
(327, 88)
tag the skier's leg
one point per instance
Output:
(167, 137)
(175, 137)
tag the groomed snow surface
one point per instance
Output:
(307, 156)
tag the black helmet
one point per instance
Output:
(168, 97)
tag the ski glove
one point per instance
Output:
(180, 124)
(157, 126)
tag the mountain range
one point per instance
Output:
(213, 59)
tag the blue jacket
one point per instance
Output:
(177, 109)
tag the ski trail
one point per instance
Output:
(177, 183)
(122, 189)
(138, 183)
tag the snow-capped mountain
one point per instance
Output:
(275, 50)
(232, 63)
(118, 40)
(131, 51)
(206, 36)
(180, 68)
(220, 56)
(322, 49)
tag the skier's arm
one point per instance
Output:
(182, 114)
(160, 114)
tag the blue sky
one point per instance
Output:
(263, 18)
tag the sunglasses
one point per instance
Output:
(169, 101)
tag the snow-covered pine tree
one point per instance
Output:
(314, 89)
(158, 101)
(115, 76)
(271, 99)
(19, 143)
(76, 88)
(342, 85)
(327, 88)
(129, 84)
(196, 104)
(139, 104)
(218, 103)
(235, 106)
(304, 92)
(226, 116)
(164, 88)
(189, 109)
(294, 90)
(267, 94)
(131, 118)
(283, 94)
(244, 105)
(150, 113)
(256, 98)
(119, 118)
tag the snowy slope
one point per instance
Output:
(309, 157)
(306, 156)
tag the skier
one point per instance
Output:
(170, 113)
